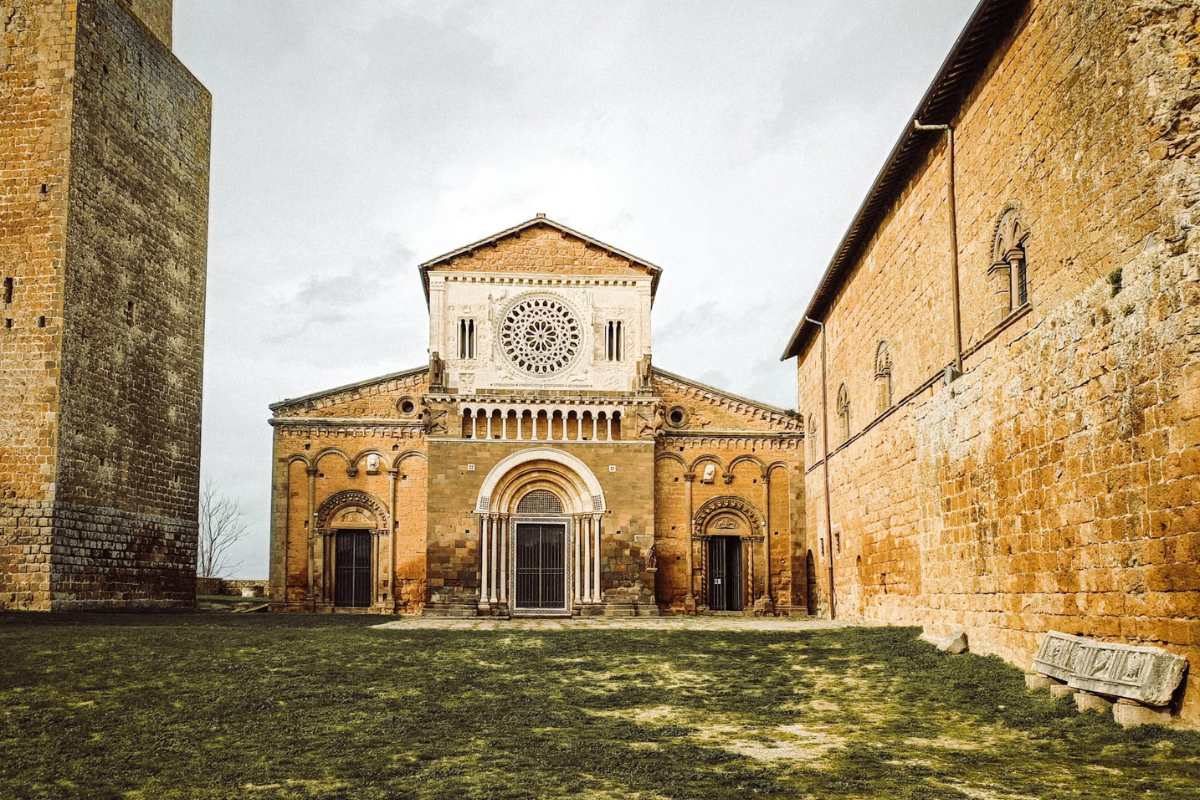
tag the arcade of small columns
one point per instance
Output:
(496, 533)
(555, 424)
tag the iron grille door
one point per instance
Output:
(352, 574)
(541, 566)
(362, 569)
(733, 572)
(716, 574)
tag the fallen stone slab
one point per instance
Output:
(1149, 675)
(1060, 690)
(954, 643)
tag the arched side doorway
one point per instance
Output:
(729, 529)
(540, 517)
(350, 527)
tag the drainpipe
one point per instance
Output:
(825, 459)
(949, 131)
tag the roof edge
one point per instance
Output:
(989, 24)
(673, 376)
(540, 219)
(391, 376)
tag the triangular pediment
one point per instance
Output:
(541, 245)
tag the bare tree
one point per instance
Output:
(222, 525)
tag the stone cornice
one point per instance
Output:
(766, 439)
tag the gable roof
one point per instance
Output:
(989, 25)
(307, 398)
(539, 220)
(658, 372)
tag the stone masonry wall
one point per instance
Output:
(37, 45)
(134, 320)
(628, 531)
(680, 461)
(1056, 484)
(155, 15)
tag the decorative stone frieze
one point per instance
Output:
(1149, 675)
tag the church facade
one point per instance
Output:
(538, 464)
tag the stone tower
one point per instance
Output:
(104, 155)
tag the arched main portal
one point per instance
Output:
(540, 517)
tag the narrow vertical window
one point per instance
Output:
(466, 338)
(843, 411)
(8, 290)
(1009, 270)
(883, 378)
(614, 346)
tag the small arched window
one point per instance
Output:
(1009, 272)
(883, 377)
(811, 435)
(843, 411)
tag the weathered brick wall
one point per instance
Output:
(680, 461)
(320, 461)
(106, 135)
(134, 319)
(1056, 484)
(628, 531)
(154, 14)
(37, 45)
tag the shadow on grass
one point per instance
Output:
(215, 706)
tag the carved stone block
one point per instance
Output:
(1147, 674)
(1056, 656)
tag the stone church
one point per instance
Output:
(538, 464)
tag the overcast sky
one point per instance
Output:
(727, 142)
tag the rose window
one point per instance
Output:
(540, 335)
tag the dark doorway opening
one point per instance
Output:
(810, 584)
(541, 566)
(725, 573)
(352, 560)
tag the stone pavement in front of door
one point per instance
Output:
(703, 622)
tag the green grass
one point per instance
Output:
(273, 706)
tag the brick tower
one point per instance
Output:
(104, 154)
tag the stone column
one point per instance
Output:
(750, 553)
(502, 554)
(577, 563)
(312, 533)
(766, 478)
(689, 599)
(484, 546)
(597, 593)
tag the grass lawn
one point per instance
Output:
(270, 706)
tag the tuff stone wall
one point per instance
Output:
(37, 46)
(454, 489)
(1056, 484)
(107, 380)
(155, 15)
